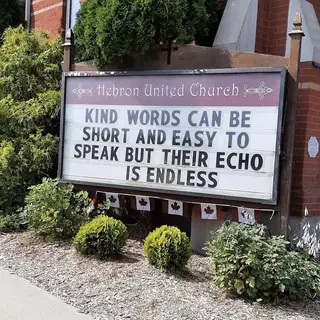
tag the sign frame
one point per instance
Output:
(282, 71)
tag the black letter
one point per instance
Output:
(86, 133)
(220, 158)
(246, 140)
(203, 180)
(189, 118)
(136, 173)
(234, 119)
(89, 115)
(77, 149)
(245, 118)
(253, 162)
(150, 174)
(213, 180)
(95, 150)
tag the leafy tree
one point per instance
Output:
(111, 30)
(29, 113)
(11, 15)
(215, 9)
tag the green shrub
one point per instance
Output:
(12, 223)
(103, 237)
(29, 64)
(55, 211)
(29, 113)
(167, 248)
(245, 260)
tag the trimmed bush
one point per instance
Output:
(167, 248)
(102, 237)
(55, 211)
(247, 261)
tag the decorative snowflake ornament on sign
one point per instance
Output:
(208, 211)
(175, 207)
(246, 216)
(142, 203)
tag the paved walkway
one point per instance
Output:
(20, 300)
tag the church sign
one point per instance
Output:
(207, 133)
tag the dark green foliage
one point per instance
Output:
(55, 211)
(22, 163)
(11, 15)
(12, 223)
(29, 64)
(246, 261)
(109, 31)
(215, 9)
(29, 113)
(167, 248)
(103, 209)
(102, 237)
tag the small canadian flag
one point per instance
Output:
(208, 211)
(175, 207)
(143, 203)
(114, 199)
(246, 216)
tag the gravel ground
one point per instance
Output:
(128, 288)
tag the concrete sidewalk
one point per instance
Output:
(20, 300)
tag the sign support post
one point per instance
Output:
(290, 123)
(68, 54)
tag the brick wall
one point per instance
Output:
(272, 27)
(262, 26)
(306, 170)
(48, 15)
(271, 39)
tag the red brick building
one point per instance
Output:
(259, 26)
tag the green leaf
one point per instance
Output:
(239, 286)
(252, 282)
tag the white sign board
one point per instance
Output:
(209, 135)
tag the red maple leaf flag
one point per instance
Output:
(114, 199)
(175, 207)
(208, 211)
(246, 216)
(142, 203)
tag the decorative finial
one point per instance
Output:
(297, 25)
(69, 38)
(297, 22)
(69, 34)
